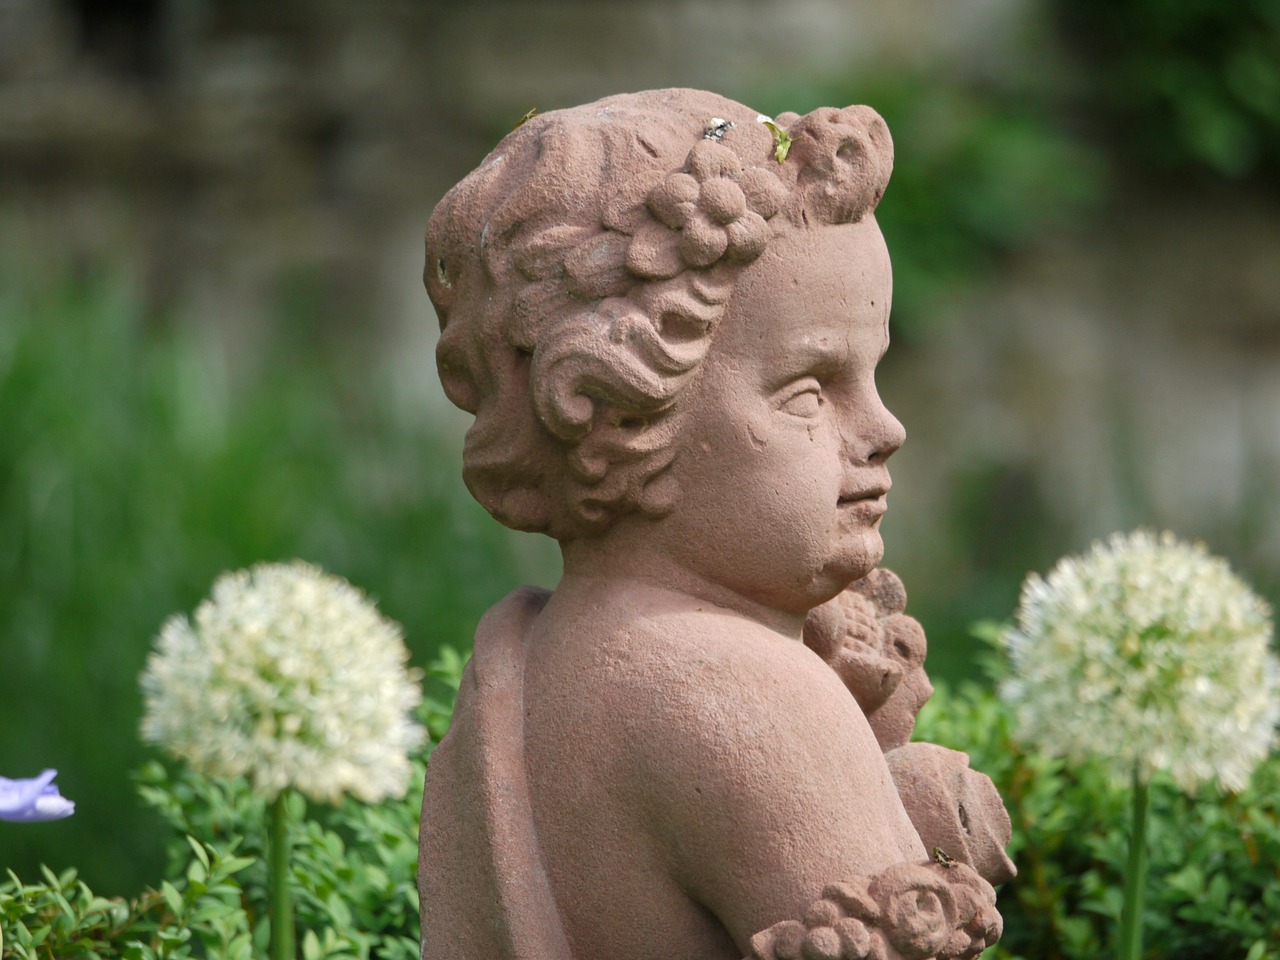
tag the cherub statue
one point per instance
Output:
(665, 314)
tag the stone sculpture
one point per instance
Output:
(665, 315)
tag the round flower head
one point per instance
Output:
(1150, 654)
(288, 676)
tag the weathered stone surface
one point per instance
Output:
(668, 340)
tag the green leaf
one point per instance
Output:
(197, 874)
(228, 866)
(781, 140)
(198, 848)
(172, 897)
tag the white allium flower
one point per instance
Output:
(1150, 654)
(288, 676)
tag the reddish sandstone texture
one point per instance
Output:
(665, 315)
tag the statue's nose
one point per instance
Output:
(877, 436)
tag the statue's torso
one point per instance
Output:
(693, 774)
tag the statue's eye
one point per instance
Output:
(803, 400)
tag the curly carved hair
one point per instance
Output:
(579, 274)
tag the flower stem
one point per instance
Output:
(278, 892)
(1135, 878)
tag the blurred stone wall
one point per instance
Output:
(231, 154)
(220, 148)
(1128, 375)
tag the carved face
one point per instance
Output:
(782, 470)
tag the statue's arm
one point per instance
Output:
(763, 784)
(911, 911)
(866, 637)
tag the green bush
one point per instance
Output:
(354, 873)
(198, 914)
(1181, 86)
(1214, 883)
(138, 460)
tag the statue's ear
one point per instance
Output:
(625, 459)
(615, 437)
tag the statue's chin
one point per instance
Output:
(859, 554)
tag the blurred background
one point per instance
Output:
(215, 348)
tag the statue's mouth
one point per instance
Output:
(871, 499)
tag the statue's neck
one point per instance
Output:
(603, 568)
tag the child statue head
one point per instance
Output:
(582, 273)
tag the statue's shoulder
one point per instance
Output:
(744, 759)
(673, 687)
(710, 654)
(690, 676)
(680, 655)
(721, 687)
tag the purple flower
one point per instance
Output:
(27, 801)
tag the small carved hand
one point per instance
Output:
(953, 807)
(877, 650)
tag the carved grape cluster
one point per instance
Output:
(877, 650)
(716, 210)
(911, 911)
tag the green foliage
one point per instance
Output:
(987, 169)
(1183, 85)
(781, 141)
(138, 460)
(354, 870)
(987, 172)
(353, 867)
(1187, 87)
(196, 915)
(1214, 883)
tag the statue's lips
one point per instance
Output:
(870, 503)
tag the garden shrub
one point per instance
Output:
(354, 871)
(1214, 882)
(1181, 86)
(139, 458)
